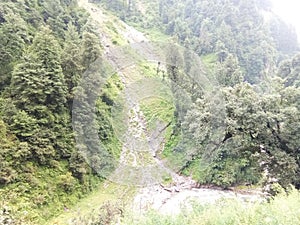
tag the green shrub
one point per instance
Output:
(67, 182)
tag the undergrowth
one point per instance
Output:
(282, 209)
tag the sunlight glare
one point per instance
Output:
(289, 11)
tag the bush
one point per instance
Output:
(107, 214)
(67, 182)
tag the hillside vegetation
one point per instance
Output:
(45, 48)
(253, 125)
(230, 116)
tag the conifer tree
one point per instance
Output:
(38, 88)
(13, 37)
(38, 80)
(71, 61)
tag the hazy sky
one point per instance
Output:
(289, 10)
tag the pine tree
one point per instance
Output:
(229, 72)
(72, 61)
(38, 88)
(39, 80)
(13, 37)
(90, 49)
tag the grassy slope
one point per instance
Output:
(105, 192)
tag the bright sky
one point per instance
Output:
(289, 10)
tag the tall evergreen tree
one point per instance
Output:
(38, 88)
(90, 49)
(13, 37)
(71, 61)
(39, 80)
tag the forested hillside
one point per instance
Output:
(238, 126)
(247, 31)
(252, 54)
(45, 48)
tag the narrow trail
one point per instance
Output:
(139, 145)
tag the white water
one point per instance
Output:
(166, 199)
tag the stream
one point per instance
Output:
(139, 164)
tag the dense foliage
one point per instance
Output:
(246, 131)
(250, 53)
(45, 48)
(248, 30)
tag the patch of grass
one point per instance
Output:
(148, 69)
(115, 146)
(155, 34)
(105, 192)
(171, 143)
(209, 61)
(113, 87)
(110, 93)
(167, 179)
(111, 29)
(157, 109)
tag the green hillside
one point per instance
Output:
(99, 98)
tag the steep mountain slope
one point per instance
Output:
(86, 97)
(137, 132)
